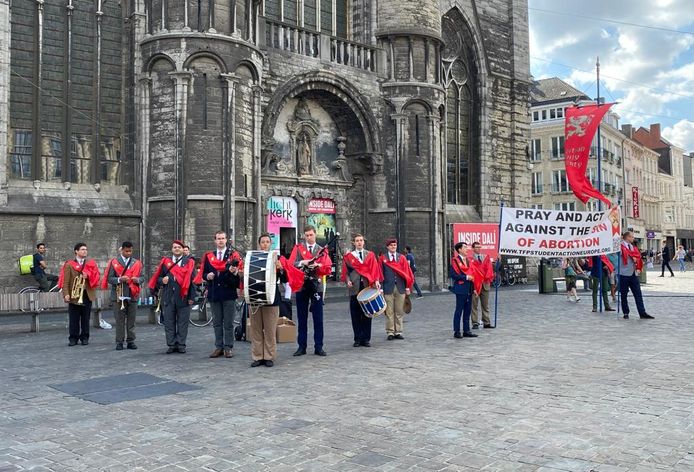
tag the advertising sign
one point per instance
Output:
(281, 213)
(487, 234)
(635, 209)
(322, 217)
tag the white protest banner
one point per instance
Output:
(554, 233)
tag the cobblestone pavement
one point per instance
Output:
(554, 388)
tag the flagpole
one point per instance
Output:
(498, 265)
(597, 67)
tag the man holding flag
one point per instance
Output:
(631, 267)
(483, 273)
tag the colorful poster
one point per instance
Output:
(552, 233)
(487, 234)
(281, 213)
(635, 208)
(322, 217)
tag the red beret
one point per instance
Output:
(178, 241)
(390, 241)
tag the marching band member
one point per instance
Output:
(124, 274)
(360, 269)
(315, 262)
(483, 272)
(463, 280)
(397, 283)
(264, 318)
(173, 279)
(221, 268)
(78, 281)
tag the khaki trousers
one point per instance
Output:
(483, 297)
(395, 312)
(264, 332)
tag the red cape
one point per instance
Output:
(605, 261)
(634, 253)
(402, 268)
(91, 270)
(295, 276)
(180, 274)
(134, 270)
(216, 263)
(370, 269)
(461, 267)
(482, 272)
(302, 253)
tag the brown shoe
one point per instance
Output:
(228, 353)
(217, 353)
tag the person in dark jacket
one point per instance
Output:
(413, 265)
(463, 288)
(666, 255)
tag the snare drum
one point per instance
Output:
(260, 277)
(372, 302)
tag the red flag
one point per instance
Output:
(295, 276)
(369, 269)
(581, 123)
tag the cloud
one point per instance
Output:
(650, 71)
(681, 135)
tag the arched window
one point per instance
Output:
(462, 122)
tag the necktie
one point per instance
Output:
(392, 258)
(479, 257)
(310, 249)
(361, 256)
(219, 255)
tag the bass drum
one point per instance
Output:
(260, 278)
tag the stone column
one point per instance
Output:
(211, 11)
(142, 151)
(399, 119)
(4, 95)
(38, 80)
(229, 157)
(257, 167)
(434, 123)
(182, 79)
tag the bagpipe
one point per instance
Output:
(311, 277)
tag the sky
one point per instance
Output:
(648, 70)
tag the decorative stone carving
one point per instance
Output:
(340, 167)
(303, 131)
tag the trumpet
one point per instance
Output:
(119, 295)
(78, 289)
(158, 308)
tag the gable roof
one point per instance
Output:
(554, 90)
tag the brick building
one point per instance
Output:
(154, 119)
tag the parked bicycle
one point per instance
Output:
(37, 289)
(504, 276)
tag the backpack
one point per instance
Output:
(26, 264)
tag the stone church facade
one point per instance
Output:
(150, 120)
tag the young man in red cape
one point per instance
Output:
(79, 312)
(607, 269)
(125, 272)
(360, 269)
(397, 283)
(173, 281)
(221, 270)
(463, 285)
(315, 262)
(483, 274)
(628, 271)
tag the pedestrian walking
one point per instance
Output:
(680, 256)
(665, 255)
(571, 270)
(413, 266)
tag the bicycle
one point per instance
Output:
(200, 305)
(504, 277)
(37, 289)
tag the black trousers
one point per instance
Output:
(78, 324)
(361, 324)
(666, 263)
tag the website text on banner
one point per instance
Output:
(487, 234)
(552, 233)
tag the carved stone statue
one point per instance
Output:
(304, 156)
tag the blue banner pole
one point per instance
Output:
(498, 266)
(597, 65)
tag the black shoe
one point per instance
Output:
(85, 342)
(366, 344)
(390, 337)
(356, 344)
(399, 336)
(476, 326)
(646, 316)
(257, 363)
(420, 296)
(469, 335)
(661, 276)
(457, 335)
(610, 309)
(182, 349)
(72, 342)
(626, 316)
(269, 363)
(672, 275)
(132, 346)
(171, 350)
(119, 346)
(320, 352)
(489, 326)
(300, 352)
